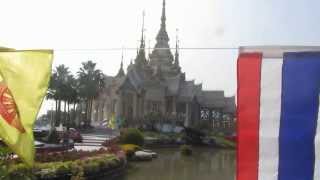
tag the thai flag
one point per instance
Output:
(278, 102)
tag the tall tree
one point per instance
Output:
(71, 98)
(91, 81)
(57, 89)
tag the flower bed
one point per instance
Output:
(65, 165)
(69, 155)
(89, 167)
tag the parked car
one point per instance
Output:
(71, 134)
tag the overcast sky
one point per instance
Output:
(96, 24)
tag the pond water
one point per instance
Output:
(204, 164)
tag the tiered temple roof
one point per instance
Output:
(162, 77)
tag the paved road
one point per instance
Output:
(93, 140)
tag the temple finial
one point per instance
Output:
(163, 16)
(138, 48)
(176, 58)
(121, 71)
(142, 30)
(162, 36)
(177, 40)
(176, 55)
(121, 58)
(149, 47)
(141, 59)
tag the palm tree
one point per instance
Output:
(91, 81)
(72, 97)
(53, 95)
(57, 89)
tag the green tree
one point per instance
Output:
(91, 82)
(70, 97)
(73, 98)
(58, 89)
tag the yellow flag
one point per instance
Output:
(112, 122)
(24, 78)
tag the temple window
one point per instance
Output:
(154, 106)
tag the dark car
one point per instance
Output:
(71, 134)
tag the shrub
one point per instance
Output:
(20, 171)
(46, 173)
(102, 164)
(77, 169)
(3, 170)
(186, 150)
(130, 149)
(113, 163)
(6, 156)
(78, 177)
(132, 136)
(63, 168)
(90, 167)
(5, 153)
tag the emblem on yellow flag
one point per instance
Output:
(8, 108)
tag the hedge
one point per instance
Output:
(132, 136)
(77, 169)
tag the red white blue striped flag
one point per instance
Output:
(278, 103)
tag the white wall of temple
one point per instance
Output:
(94, 112)
(101, 110)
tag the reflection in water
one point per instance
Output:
(204, 164)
